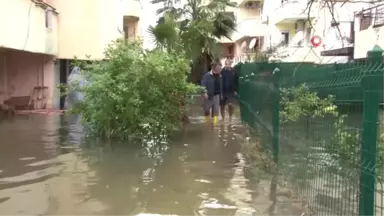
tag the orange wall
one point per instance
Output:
(19, 79)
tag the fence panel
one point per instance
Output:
(331, 154)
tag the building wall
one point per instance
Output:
(244, 13)
(79, 37)
(249, 25)
(321, 24)
(248, 22)
(366, 39)
(103, 24)
(53, 3)
(23, 27)
(70, 28)
(20, 79)
(110, 21)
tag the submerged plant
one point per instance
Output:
(134, 93)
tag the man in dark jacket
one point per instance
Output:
(212, 92)
(230, 88)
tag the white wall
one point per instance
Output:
(321, 27)
(22, 27)
(366, 39)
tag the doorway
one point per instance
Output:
(285, 37)
(64, 68)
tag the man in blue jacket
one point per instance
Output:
(212, 92)
(230, 88)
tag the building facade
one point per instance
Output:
(369, 29)
(249, 30)
(292, 25)
(287, 29)
(39, 37)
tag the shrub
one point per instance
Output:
(301, 102)
(134, 93)
(344, 145)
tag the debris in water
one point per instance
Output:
(27, 158)
(203, 181)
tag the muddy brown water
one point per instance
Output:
(47, 168)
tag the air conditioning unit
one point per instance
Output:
(252, 4)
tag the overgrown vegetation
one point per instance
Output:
(194, 27)
(301, 102)
(344, 145)
(134, 93)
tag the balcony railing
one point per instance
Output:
(371, 16)
(379, 16)
(291, 11)
(250, 28)
(242, 2)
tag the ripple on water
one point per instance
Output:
(59, 173)
(150, 214)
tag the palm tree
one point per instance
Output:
(194, 28)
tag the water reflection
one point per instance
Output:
(47, 164)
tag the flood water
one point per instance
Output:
(47, 167)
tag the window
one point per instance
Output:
(48, 19)
(285, 38)
(365, 20)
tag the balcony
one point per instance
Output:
(369, 28)
(131, 8)
(290, 12)
(226, 40)
(243, 2)
(250, 28)
(32, 33)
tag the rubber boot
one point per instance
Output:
(215, 120)
(207, 119)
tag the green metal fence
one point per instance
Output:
(334, 160)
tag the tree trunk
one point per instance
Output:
(200, 66)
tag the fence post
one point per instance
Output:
(371, 86)
(276, 116)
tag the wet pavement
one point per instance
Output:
(47, 167)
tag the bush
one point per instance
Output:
(300, 102)
(344, 145)
(134, 93)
